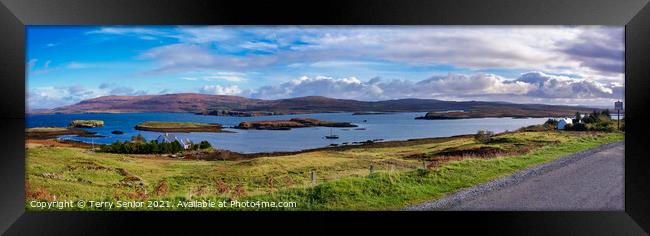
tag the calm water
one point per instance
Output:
(398, 126)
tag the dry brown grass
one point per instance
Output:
(38, 193)
(162, 188)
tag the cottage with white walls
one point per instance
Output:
(170, 138)
(561, 123)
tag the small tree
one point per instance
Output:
(154, 147)
(483, 136)
(606, 113)
(176, 147)
(204, 144)
(138, 139)
(578, 117)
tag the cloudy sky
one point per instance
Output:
(576, 65)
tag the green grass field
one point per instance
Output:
(343, 182)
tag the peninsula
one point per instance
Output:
(288, 124)
(159, 126)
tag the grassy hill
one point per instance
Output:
(240, 106)
(408, 173)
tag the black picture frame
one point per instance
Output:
(16, 14)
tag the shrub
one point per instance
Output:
(162, 188)
(576, 127)
(138, 139)
(552, 122)
(204, 144)
(483, 136)
(597, 117)
(152, 147)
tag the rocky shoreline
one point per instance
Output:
(222, 154)
(54, 132)
(86, 123)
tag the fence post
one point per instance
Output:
(313, 177)
(372, 169)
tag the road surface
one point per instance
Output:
(588, 181)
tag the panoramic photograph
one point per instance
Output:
(324, 118)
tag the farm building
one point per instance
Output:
(561, 123)
(169, 138)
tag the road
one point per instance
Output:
(589, 181)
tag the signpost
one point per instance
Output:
(618, 105)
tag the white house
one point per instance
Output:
(169, 138)
(561, 123)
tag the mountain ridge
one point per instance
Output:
(226, 105)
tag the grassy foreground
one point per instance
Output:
(343, 177)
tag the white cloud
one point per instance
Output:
(350, 88)
(202, 34)
(77, 65)
(48, 97)
(566, 50)
(221, 90)
(34, 69)
(529, 87)
(31, 64)
(140, 32)
(176, 57)
(218, 76)
(593, 54)
(260, 46)
(549, 86)
(479, 84)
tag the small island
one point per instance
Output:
(86, 123)
(447, 116)
(53, 132)
(289, 124)
(160, 126)
(239, 113)
(369, 113)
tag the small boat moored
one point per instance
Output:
(331, 136)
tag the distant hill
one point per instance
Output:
(240, 106)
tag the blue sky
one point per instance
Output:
(578, 65)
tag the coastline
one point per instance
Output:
(361, 143)
(237, 155)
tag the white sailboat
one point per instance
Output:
(331, 136)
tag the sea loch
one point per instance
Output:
(390, 126)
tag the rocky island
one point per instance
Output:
(238, 113)
(160, 126)
(86, 123)
(289, 124)
(369, 113)
(53, 132)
